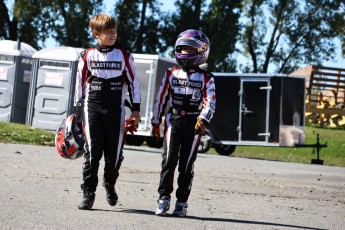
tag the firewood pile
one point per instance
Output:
(325, 95)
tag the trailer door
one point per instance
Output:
(146, 73)
(254, 114)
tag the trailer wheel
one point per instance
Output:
(153, 143)
(134, 140)
(205, 143)
(225, 150)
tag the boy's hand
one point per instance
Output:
(155, 132)
(129, 126)
(136, 116)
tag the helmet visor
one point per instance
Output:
(189, 42)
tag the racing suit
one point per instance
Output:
(192, 96)
(103, 77)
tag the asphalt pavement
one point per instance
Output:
(41, 190)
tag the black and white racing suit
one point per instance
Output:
(103, 78)
(191, 96)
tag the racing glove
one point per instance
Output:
(200, 126)
(155, 132)
(129, 126)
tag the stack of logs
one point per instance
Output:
(325, 95)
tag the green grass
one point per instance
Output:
(333, 154)
(23, 134)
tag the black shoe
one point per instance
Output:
(87, 202)
(111, 194)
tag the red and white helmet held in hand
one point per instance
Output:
(69, 139)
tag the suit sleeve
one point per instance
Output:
(161, 99)
(133, 83)
(209, 98)
(81, 78)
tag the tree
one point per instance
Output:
(20, 24)
(147, 40)
(218, 20)
(127, 13)
(338, 25)
(71, 24)
(187, 16)
(287, 33)
(140, 28)
(34, 21)
(221, 24)
(278, 36)
(8, 27)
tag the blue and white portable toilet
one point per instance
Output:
(52, 89)
(15, 77)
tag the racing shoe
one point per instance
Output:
(87, 202)
(163, 205)
(111, 194)
(180, 209)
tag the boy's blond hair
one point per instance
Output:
(102, 22)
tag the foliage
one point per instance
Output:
(338, 24)
(212, 19)
(66, 21)
(138, 29)
(127, 23)
(288, 33)
(187, 15)
(33, 22)
(72, 29)
(221, 24)
(8, 26)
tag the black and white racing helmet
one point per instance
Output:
(196, 39)
(69, 139)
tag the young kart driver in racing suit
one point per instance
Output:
(191, 92)
(105, 72)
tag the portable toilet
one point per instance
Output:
(52, 89)
(15, 77)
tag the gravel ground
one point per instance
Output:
(41, 190)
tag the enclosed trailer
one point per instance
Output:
(257, 110)
(251, 109)
(150, 69)
(15, 78)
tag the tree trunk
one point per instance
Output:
(139, 41)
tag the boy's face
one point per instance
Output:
(107, 37)
(188, 50)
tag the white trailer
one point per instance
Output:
(150, 69)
